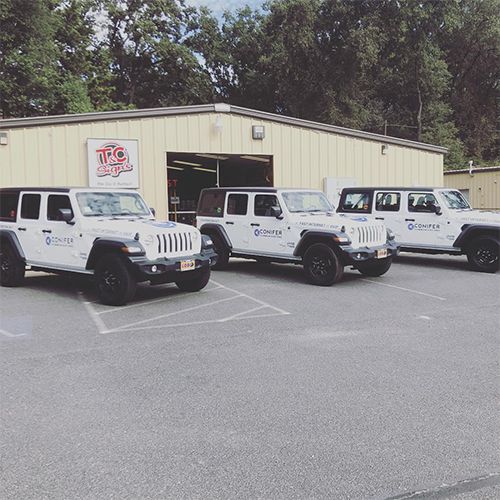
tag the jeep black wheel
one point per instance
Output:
(11, 267)
(482, 255)
(222, 252)
(375, 267)
(115, 284)
(195, 283)
(322, 266)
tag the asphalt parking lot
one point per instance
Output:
(260, 386)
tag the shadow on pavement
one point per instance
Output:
(444, 262)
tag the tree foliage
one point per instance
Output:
(425, 70)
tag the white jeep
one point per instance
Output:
(110, 234)
(430, 220)
(293, 225)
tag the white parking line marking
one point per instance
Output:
(404, 289)
(101, 327)
(11, 335)
(180, 311)
(154, 301)
(191, 323)
(281, 311)
(424, 317)
(240, 314)
(140, 325)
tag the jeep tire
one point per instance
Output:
(115, 284)
(12, 268)
(195, 283)
(222, 252)
(482, 254)
(375, 267)
(322, 266)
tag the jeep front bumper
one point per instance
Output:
(352, 256)
(165, 270)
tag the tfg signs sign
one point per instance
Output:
(113, 163)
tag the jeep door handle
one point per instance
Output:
(409, 220)
(254, 224)
(46, 230)
(379, 218)
(229, 222)
(21, 229)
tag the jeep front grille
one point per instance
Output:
(174, 243)
(371, 235)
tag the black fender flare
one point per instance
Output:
(109, 245)
(308, 238)
(470, 231)
(6, 235)
(211, 228)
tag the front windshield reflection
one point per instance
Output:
(455, 200)
(109, 204)
(306, 201)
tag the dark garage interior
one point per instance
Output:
(189, 173)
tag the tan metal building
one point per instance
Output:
(480, 185)
(203, 146)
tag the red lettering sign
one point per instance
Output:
(112, 159)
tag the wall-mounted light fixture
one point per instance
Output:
(218, 125)
(258, 132)
(3, 139)
(385, 148)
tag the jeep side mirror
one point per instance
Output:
(276, 212)
(153, 211)
(66, 214)
(437, 209)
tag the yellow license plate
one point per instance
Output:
(381, 254)
(187, 265)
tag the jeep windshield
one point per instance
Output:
(306, 201)
(112, 204)
(455, 200)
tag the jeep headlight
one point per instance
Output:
(148, 240)
(390, 235)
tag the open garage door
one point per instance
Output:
(189, 173)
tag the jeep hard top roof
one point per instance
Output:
(254, 189)
(46, 189)
(390, 188)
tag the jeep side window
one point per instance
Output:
(237, 204)
(212, 204)
(54, 203)
(421, 202)
(357, 202)
(388, 202)
(30, 206)
(8, 206)
(263, 204)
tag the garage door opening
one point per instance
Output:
(189, 173)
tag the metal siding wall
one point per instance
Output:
(57, 155)
(484, 190)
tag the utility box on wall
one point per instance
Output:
(332, 187)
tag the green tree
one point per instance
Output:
(472, 47)
(150, 61)
(28, 57)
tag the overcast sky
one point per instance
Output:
(219, 6)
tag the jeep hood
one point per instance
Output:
(478, 217)
(334, 221)
(130, 227)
